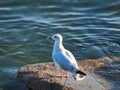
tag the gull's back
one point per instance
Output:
(65, 60)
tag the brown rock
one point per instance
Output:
(43, 76)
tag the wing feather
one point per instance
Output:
(72, 58)
(65, 60)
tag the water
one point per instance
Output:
(25, 25)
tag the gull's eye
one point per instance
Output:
(55, 37)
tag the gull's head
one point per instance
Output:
(57, 37)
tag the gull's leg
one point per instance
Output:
(62, 74)
(65, 81)
(66, 74)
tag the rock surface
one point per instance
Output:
(42, 76)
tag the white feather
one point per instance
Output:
(63, 58)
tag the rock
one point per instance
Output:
(42, 76)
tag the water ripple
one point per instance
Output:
(86, 26)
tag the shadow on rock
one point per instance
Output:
(41, 77)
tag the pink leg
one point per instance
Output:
(66, 74)
(63, 74)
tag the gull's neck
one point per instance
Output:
(58, 45)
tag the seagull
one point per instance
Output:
(64, 59)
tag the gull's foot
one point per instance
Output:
(63, 74)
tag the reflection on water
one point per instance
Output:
(92, 26)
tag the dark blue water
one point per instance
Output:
(86, 25)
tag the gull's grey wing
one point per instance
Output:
(65, 61)
(72, 58)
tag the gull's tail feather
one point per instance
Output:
(79, 78)
(80, 72)
(79, 75)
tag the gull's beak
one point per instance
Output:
(49, 38)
